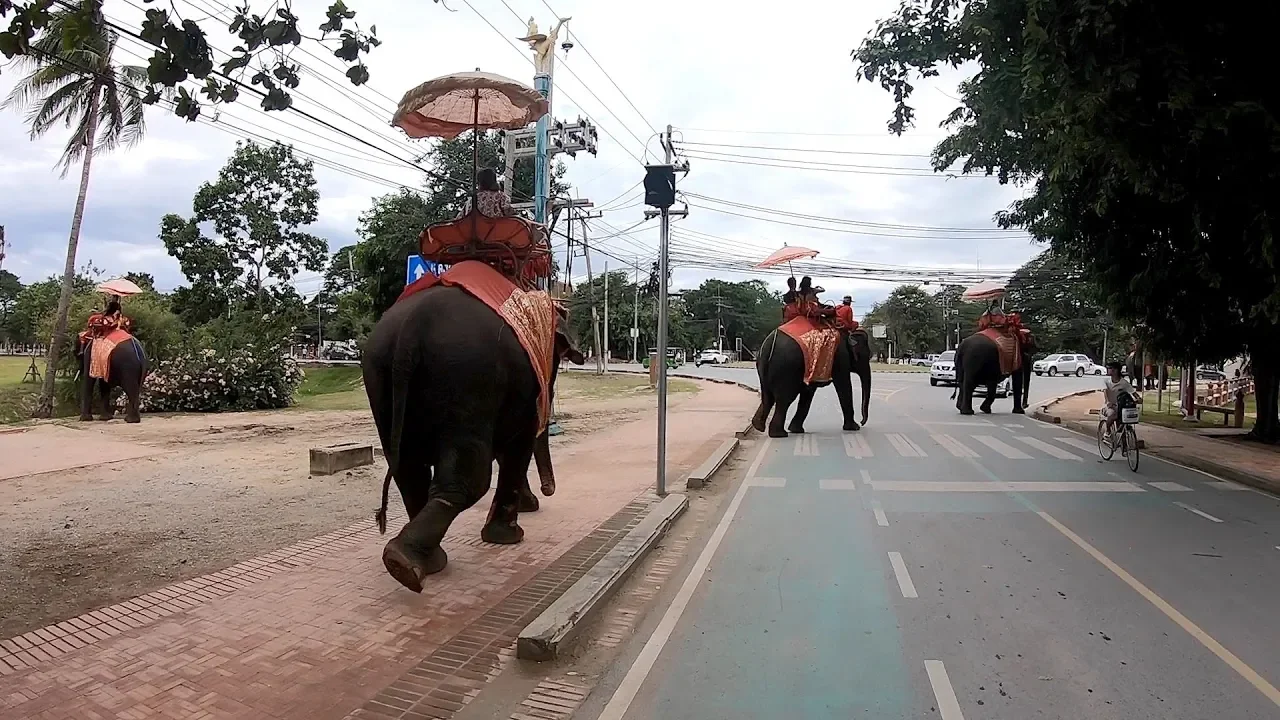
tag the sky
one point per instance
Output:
(722, 74)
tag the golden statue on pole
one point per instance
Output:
(543, 46)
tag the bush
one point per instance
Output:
(223, 379)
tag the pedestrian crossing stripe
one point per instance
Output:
(953, 446)
(1047, 448)
(904, 446)
(856, 446)
(1002, 447)
(806, 444)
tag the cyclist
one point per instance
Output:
(1117, 387)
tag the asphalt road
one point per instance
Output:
(934, 566)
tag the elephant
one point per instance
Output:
(780, 365)
(452, 390)
(978, 364)
(128, 369)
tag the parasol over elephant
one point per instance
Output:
(108, 363)
(781, 367)
(986, 358)
(453, 388)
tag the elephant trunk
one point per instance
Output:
(542, 456)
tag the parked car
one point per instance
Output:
(1094, 369)
(1210, 373)
(1003, 390)
(943, 370)
(922, 361)
(1063, 364)
(711, 356)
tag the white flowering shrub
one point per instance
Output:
(249, 377)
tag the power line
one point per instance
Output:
(802, 163)
(795, 133)
(803, 150)
(848, 170)
(843, 221)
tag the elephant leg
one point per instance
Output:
(87, 387)
(990, 399)
(108, 408)
(802, 410)
(762, 413)
(132, 390)
(461, 478)
(414, 484)
(527, 500)
(844, 391)
(781, 405)
(503, 527)
(964, 396)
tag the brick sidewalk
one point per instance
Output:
(1244, 462)
(319, 630)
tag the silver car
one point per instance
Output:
(943, 370)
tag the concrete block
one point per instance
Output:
(702, 475)
(551, 632)
(343, 456)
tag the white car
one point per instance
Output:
(1064, 364)
(1003, 390)
(943, 370)
(711, 357)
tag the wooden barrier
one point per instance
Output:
(1225, 397)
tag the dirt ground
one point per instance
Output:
(222, 488)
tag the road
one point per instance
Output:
(934, 566)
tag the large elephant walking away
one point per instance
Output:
(781, 367)
(453, 390)
(979, 364)
(121, 363)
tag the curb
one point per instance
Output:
(552, 631)
(702, 475)
(1041, 411)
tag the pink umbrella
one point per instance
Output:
(786, 255)
(448, 105)
(984, 291)
(119, 286)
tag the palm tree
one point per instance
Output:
(76, 85)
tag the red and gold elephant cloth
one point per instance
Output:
(530, 314)
(818, 343)
(100, 351)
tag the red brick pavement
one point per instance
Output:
(318, 629)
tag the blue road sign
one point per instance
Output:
(417, 267)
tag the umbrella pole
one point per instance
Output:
(475, 162)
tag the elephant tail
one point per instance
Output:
(401, 375)
(958, 366)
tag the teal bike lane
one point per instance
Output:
(794, 617)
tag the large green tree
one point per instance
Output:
(75, 84)
(912, 318)
(257, 207)
(10, 288)
(1062, 305)
(1148, 143)
(747, 310)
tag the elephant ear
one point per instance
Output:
(566, 349)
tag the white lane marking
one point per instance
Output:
(1226, 485)
(964, 423)
(856, 446)
(805, 445)
(1079, 444)
(1047, 448)
(963, 486)
(881, 519)
(953, 446)
(771, 482)
(643, 665)
(948, 705)
(1013, 425)
(866, 477)
(904, 445)
(1207, 474)
(1002, 447)
(1169, 486)
(836, 484)
(1201, 513)
(907, 587)
(1205, 639)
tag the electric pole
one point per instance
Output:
(606, 316)
(635, 320)
(591, 288)
(660, 192)
(2, 246)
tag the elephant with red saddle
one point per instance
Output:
(1001, 349)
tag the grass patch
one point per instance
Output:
(589, 386)
(13, 367)
(328, 380)
(1171, 417)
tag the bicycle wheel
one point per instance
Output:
(1131, 440)
(1105, 448)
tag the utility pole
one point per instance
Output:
(606, 316)
(2, 246)
(635, 320)
(660, 192)
(591, 288)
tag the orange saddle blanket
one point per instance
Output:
(531, 315)
(1008, 347)
(100, 352)
(818, 343)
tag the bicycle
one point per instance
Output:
(1126, 439)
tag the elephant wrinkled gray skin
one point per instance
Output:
(452, 390)
(128, 370)
(780, 365)
(978, 365)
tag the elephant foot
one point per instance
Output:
(106, 418)
(985, 409)
(86, 417)
(852, 426)
(1019, 411)
(502, 533)
(410, 567)
(796, 429)
(757, 422)
(528, 502)
(777, 433)
(963, 411)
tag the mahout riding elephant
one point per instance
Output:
(127, 369)
(978, 365)
(780, 365)
(452, 390)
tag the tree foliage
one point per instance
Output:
(183, 60)
(1149, 143)
(912, 318)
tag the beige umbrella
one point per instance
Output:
(119, 286)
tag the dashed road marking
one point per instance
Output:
(904, 445)
(881, 519)
(1002, 447)
(953, 446)
(1013, 425)
(866, 477)
(1169, 486)
(907, 587)
(836, 484)
(1226, 485)
(1079, 444)
(948, 705)
(771, 482)
(856, 446)
(969, 486)
(806, 444)
(1047, 448)
(1201, 513)
(963, 423)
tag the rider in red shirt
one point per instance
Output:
(844, 315)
